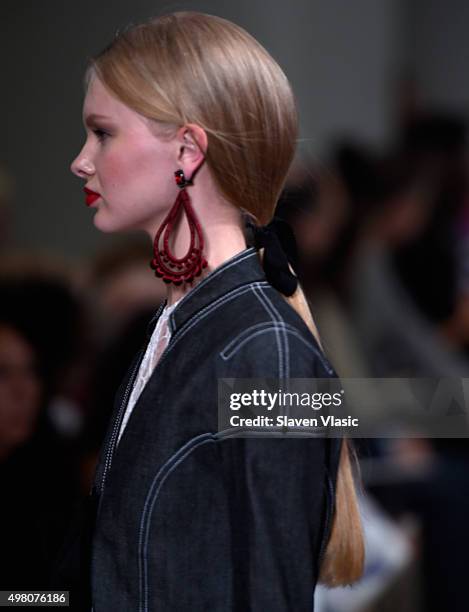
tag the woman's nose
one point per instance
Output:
(82, 166)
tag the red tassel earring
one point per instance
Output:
(166, 266)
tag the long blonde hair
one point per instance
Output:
(189, 67)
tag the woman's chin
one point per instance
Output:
(109, 223)
(104, 223)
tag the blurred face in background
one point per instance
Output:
(20, 390)
(406, 215)
(317, 232)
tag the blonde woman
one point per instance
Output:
(191, 128)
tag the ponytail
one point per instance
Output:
(344, 557)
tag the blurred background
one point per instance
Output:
(378, 200)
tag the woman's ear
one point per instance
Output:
(193, 144)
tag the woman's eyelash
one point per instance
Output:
(100, 134)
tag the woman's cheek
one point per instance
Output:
(112, 168)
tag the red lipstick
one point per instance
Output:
(91, 196)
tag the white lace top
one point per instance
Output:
(158, 342)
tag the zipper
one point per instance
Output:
(115, 432)
(172, 340)
(117, 424)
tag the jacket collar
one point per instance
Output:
(242, 269)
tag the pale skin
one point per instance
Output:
(131, 164)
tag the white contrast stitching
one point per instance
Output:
(282, 325)
(312, 348)
(169, 466)
(249, 253)
(277, 329)
(225, 353)
(289, 329)
(254, 335)
(203, 313)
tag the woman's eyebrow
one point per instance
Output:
(93, 117)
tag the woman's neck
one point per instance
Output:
(222, 226)
(216, 251)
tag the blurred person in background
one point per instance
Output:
(51, 306)
(111, 363)
(37, 469)
(406, 219)
(434, 268)
(118, 286)
(402, 291)
(349, 223)
(392, 202)
(121, 294)
(394, 205)
(315, 204)
(434, 265)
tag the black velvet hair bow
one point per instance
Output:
(278, 241)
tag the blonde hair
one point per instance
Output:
(189, 67)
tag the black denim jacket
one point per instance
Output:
(189, 521)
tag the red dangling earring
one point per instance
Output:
(164, 263)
